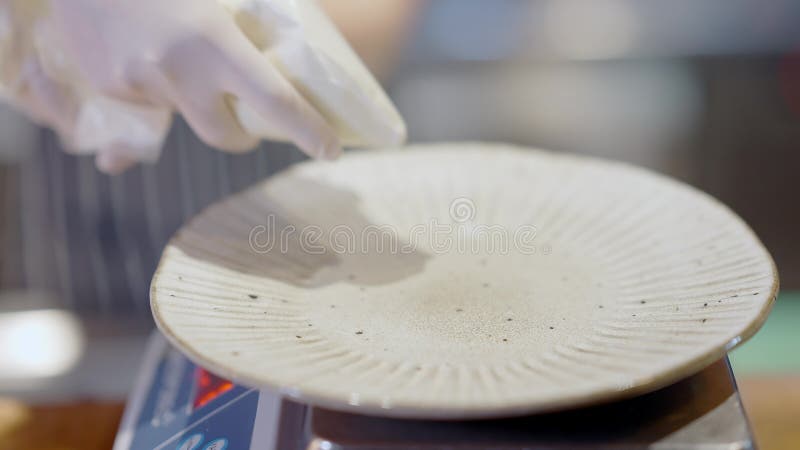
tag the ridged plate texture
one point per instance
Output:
(462, 281)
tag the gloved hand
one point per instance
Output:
(107, 74)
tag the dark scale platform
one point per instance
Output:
(177, 405)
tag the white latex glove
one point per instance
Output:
(107, 74)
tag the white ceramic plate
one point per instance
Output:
(462, 280)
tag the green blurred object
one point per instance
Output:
(774, 349)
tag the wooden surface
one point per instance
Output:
(76, 426)
(772, 403)
(773, 407)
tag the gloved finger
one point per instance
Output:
(259, 85)
(203, 105)
(47, 101)
(214, 122)
(113, 161)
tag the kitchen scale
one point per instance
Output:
(177, 405)
(634, 282)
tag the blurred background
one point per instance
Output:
(707, 92)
